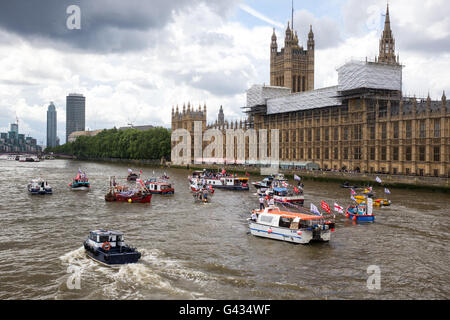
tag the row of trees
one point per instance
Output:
(123, 144)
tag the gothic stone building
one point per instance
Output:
(363, 124)
(292, 67)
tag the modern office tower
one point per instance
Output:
(51, 125)
(14, 128)
(75, 113)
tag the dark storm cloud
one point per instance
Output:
(106, 25)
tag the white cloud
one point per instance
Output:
(200, 57)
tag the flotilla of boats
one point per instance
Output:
(281, 215)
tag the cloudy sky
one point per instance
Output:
(134, 59)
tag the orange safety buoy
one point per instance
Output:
(106, 246)
(269, 231)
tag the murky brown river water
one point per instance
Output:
(197, 251)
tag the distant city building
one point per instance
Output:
(75, 113)
(58, 142)
(12, 141)
(74, 135)
(14, 128)
(51, 126)
(140, 128)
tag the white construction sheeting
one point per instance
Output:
(320, 98)
(370, 75)
(257, 95)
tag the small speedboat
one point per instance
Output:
(109, 248)
(39, 186)
(347, 185)
(264, 184)
(362, 199)
(132, 176)
(288, 195)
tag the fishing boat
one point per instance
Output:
(39, 186)
(132, 176)
(361, 212)
(156, 186)
(301, 228)
(80, 182)
(288, 195)
(109, 248)
(125, 194)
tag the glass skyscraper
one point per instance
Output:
(75, 113)
(51, 125)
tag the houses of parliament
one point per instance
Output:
(363, 124)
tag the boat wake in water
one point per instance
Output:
(154, 276)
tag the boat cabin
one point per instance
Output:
(273, 217)
(98, 237)
(231, 181)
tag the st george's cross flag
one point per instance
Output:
(338, 208)
(353, 192)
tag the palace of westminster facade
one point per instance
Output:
(363, 124)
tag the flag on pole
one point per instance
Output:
(326, 207)
(338, 208)
(353, 192)
(387, 191)
(297, 178)
(378, 180)
(315, 210)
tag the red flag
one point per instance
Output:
(326, 207)
(296, 190)
(353, 192)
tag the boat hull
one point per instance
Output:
(112, 259)
(359, 218)
(134, 199)
(298, 199)
(80, 187)
(294, 236)
(234, 188)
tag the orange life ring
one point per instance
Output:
(106, 246)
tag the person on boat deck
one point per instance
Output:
(261, 203)
(271, 203)
(254, 217)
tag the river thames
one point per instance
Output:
(203, 251)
